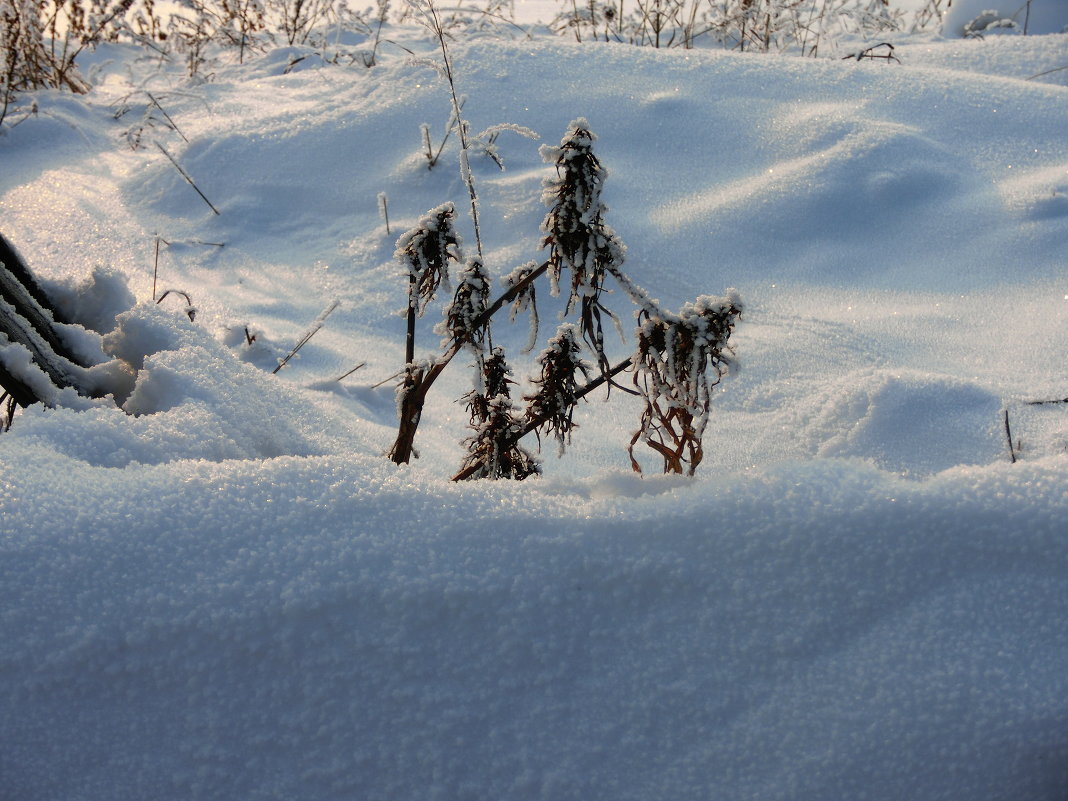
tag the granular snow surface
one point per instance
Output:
(216, 586)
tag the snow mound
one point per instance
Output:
(908, 422)
(192, 399)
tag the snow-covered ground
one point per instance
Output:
(224, 590)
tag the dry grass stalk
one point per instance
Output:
(313, 329)
(185, 175)
(189, 309)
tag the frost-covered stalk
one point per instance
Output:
(462, 324)
(426, 251)
(461, 124)
(679, 358)
(493, 449)
(473, 467)
(553, 405)
(575, 232)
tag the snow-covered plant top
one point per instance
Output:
(468, 304)
(680, 357)
(576, 235)
(493, 450)
(552, 405)
(491, 381)
(425, 251)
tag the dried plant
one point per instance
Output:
(493, 450)
(383, 209)
(576, 235)
(805, 26)
(675, 352)
(41, 39)
(244, 25)
(190, 310)
(370, 58)
(152, 116)
(430, 18)
(929, 15)
(463, 323)
(187, 177)
(552, 406)
(240, 24)
(432, 153)
(426, 251)
(305, 338)
(144, 23)
(298, 18)
(679, 358)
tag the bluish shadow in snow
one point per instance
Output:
(906, 421)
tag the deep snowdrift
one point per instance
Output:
(225, 591)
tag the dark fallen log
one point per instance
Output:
(28, 318)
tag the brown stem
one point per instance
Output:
(415, 396)
(409, 337)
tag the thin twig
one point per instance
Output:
(397, 374)
(190, 310)
(350, 372)
(185, 175)
(315, 326)
(383, 206)
(1047, 72)
(1044, 402)
(172, 123)
(870, 54)
(155, 268)
(1008, 436)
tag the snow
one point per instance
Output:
(217, 586)
(1028, 17)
